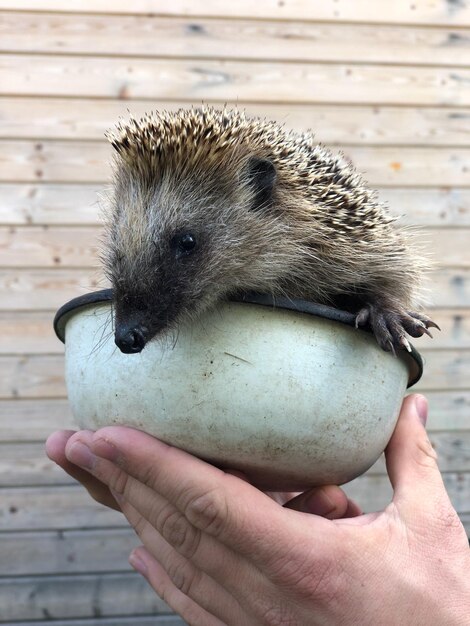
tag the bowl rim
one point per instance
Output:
(413, 358)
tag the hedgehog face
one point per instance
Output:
(176, 247)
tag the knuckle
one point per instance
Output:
(140, 524)
(183, 576)
(175, 528)
(446, 518)
(313, 576)
(120, 482)
(208, 512)
(426, 456)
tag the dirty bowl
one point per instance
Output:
(294, 398)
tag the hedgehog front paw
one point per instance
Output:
(391, 326)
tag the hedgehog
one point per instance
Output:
(207, 204)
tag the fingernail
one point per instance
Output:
(319, 503)
(421, 405)
(81, 455)
(105, 449)
(117, 496)
(137, 563)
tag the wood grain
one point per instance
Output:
(439, 12)
(57, 507)
(32, 332)
(88, 162)
(70, 507)
(340, 124)
(161, 620)
(42, 376)
(231, 39)
(25, 464)
(390, 85)
(196, 80)
(78, 596)
(34, 419)
(74, 552)
(45, 289)
(373, 493)
(66, 552)
(46, 204)
(51, 246)
(48, 289)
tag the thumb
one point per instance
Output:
(411, 459)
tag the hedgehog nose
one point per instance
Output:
(130, 341)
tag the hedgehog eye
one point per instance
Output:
(183, 244)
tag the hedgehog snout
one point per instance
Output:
(130, 340)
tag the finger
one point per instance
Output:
(239, 576)
(217, 503)
(55, 450)
(184, 575)
(411, 459)
(329, 501)
(144, 563)
(353, 510)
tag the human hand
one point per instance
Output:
(221, 552)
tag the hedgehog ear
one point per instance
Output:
(262, 177)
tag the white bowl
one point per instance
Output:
(292, 399)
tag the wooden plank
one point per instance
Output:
(59, 118)
(451, 288)
(465, 519)
(88, 162)
(45, 289)
(34, 420)
(438, 13)
(68, 204)
(373, 493)
(444, 369)
(57, 507)
(48, 289)
(429, 207)
(53, 204)
(31, 332)
(453, 450)
(59, 597)
(448, 410)
(241, 39)
(32, 377)
(411, 166)
(28, 332)
(52, 246)
(94, 550)
(26, 464)
(66, 552)
(44, 246)
(38, 376)
(161, 620)
(209, 80)
(70, 506)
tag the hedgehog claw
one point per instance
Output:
(403, 341)
(362, 317)
(390, 325)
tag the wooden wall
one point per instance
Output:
(388, 82)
